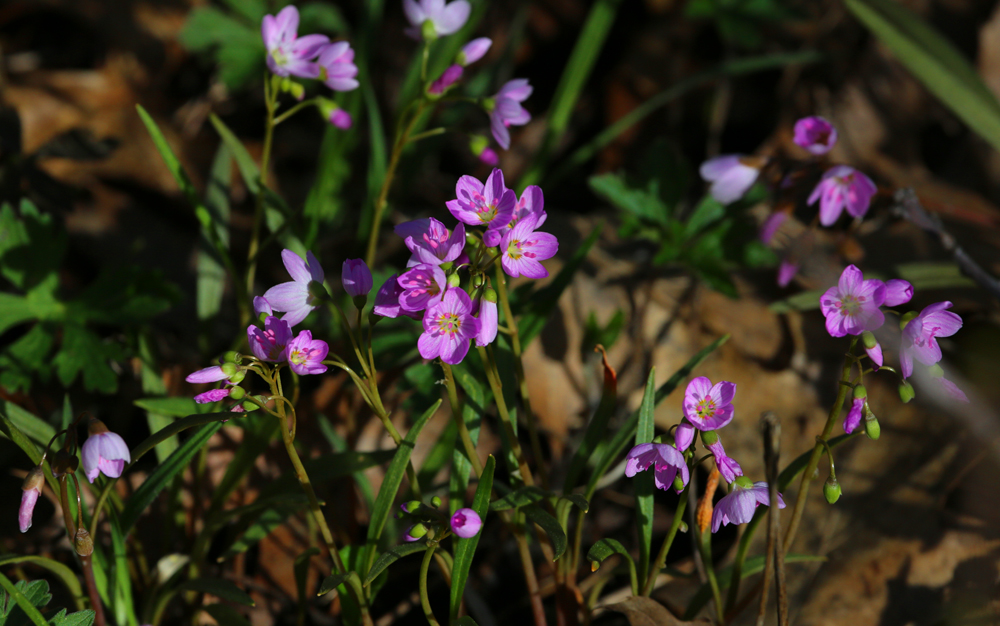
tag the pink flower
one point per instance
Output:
(815, 134)
(431, 242)
(665, 459)
(951, 389)
(490, 205)
(356, 277)
(387, 300)
(305, 354)
(488, 321)
(852, 307)
(207, 375)
(336, 67)
(728, 467)
(709, 407)
(212, 395)
(260, 305)
(897, 292)
(738, 506)
(854, 415)
(875, 354)
(473, 51)
(271, 342)
(465, 523)
(488, 156)
(287, 53)
(787, 271)
(683, 435)
(523, 249)
(771, 225)
(921, 333)
(448, 78)
(448, 328)
(445, 19)
(341, 119)
(731, 178)
(294, 298)
(507, 111)
(31, 489)
(531, 203)
(842, 187)
(422, 287)
(104, 452)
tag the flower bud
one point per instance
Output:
(831, 490)
(318, 291)
(296, 90)
(872, 428)
(238, 377)
(678, 483)
(427, 30)
(412, 506)
(905, 319)
(83, 542)
(232, 357)
(906, 392)
(860, 392)
(709, 437)
(229, 369)
(466, 523)
(417, 531)
(32, 488)
(490, 295)
(478, 280)
(436, 502)
(868, 338)
(743, 482)
(237, 393)
(454, 281)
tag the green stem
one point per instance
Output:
(494, 378)
(515, 340)
(425, 601)
(705, 547)
(270, 100)
(295, 109)
(807, 475)
(661, 558)
(456, 413)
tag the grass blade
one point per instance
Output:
(466, 548)
(644, 487)
(392, 555)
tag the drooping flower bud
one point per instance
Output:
(83, 542)
(906, 392)
(473, 51)
(466, 523)
(32, 488)
(416, 532)
(684, 436)
(709, 437)
(357, 281)
(868, 338)
(860, 392)
(872, 428)
(831, 490)
(454, 281)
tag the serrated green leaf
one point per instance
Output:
(706, 212)
(225, 589)
(392, 555)
(27, 596)
(79, 618)
(32, 245)
(84, 352)
(64, 573)
(551, 527)
(465, 549)
(252, 10)
(14, 310)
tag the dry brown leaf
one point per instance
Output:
(642, 611)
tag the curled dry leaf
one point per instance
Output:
(642, 611)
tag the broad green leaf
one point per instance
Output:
(392, 555)
(79, 618)
(644, 204)
(14, 310)
(32, 245)
(64, 573)
(225, 589)
(237, 44)
(251, 10)
(706, 212)
(551, 527)
(390, 484)
(226, 615)
(27, 598)
(466, 548)
(934, 61)
(84, 352)
(643, 482)
(165, 472)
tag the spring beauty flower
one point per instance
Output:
(852, 307)
(260, 305)
(488, 320)
(920, 336)
(771, 226)
(853, 418)
(207, 375)
(294, 298)
(842, 187)
(728, 466)
(340, 118)
(815, 134)
(707, 406)
(443, 19)
(738, 506)
(465, 523)
(667, 463)
(505, 109)
(336, 67)
(523, 249)
(431, 242)
(387, 300)
(730, 176)
(356, 277)
(31, 489)
(683, 435)
(287, 53)
(305, 354)
(490, 205)
(473, 51)
(422, 287)
(531, 203)
(213, 395)
(448, 78)
(104, 452)
(448, 328)
(271, 342)
(897, 292)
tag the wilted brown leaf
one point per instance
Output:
(642, 611)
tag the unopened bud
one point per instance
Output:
(418, 531)
(709, 437)
(318, 291)
(872, 428)
(831, 490)
(478, 280)
(237, 393)
(427, 31)
(34, 480)
(490, 295)
(238, 377)
(860, 392)
(454, 280)
(229, 369)
(471, 239)
(678, 483)
(263, 317)
(411, 507)
(905, 319)
(869, 339)
(446, 266)
(232, 357)
(83, 542)
(906, 392)
(436, 501)
(296, 89)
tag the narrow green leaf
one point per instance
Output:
(226, 615)
(595, 433)
(30, 424)
(934, 61)
(165, 472)
(301, 568)
(174, 407)
(168, 156)
(244, 162)
(225, 589)
(551, 527)
(331, 582)
(392, 555)
(644, 487)
(9, 430)
(465, 620)
(260, 526)
(64, 573)
(466, 548)
(579, 501)
(121, 591)
(390, 484)
(522, 496)
(22, 601)
(180, 425)
(211, 270)
(259, 429)
(600, 551)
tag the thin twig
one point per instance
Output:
(771, 430)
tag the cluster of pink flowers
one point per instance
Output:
(853, 307)
(311, 57)
(707, 408)
(428, 290)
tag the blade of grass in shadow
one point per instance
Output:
(643, 483)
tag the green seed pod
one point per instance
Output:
(232, 357)
(869, 339)
(412, 506)
(490, 295)
(237, 393)
(454, 281)
(872, 428)
(229, 369)
(238, 377)
(678, 482)
(906, 392)
(860, 392)
(709, 437)
(83, 542)
(471, 239)
(831, 490)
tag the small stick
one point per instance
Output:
(771, 430)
